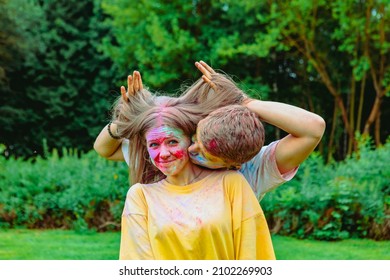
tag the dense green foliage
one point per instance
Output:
(61, 63)
(338, 201)
(22, 244)
(59, 89)
(62, 192)
(343, 200)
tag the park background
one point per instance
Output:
(62, 63)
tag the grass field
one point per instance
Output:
(21, 244)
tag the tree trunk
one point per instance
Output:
(332, 133)
(361, 102)
(352, 112)
(375, 111)
(378, 130)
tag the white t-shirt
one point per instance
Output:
(261, 172)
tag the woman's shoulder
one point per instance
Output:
(139, 192)
(234, 180)
(227, 176)
(141, 188)
(232, 174)
(135, 189)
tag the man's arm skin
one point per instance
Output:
(305, 131)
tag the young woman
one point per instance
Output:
(176, 209)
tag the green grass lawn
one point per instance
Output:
(288, 248)
(58, 245)
(21, 244)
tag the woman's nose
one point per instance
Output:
(164, 152)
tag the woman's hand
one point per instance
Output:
(134, 84)
(206, 71)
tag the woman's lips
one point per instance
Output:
(164, 161)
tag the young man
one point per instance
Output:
(272, 166)
(277, 162)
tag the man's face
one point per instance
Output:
(199, 155)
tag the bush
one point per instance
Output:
(335, 201)
(328, 202)
(71, 192)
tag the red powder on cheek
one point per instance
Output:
(154, 155)
(179, 154)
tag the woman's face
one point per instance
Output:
(167, 148)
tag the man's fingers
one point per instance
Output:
(141, 85)
(202, 69)
(207, 80)
(208, 68)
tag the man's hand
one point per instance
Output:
(134, 84)
(206, 71)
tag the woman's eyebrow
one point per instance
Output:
(156, 139)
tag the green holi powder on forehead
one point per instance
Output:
(171, 131)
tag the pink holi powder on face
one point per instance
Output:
(167, 148)
(179, 153)
(159, 140)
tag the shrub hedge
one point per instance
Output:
(335, 201)
(70, 192)
(329, 202)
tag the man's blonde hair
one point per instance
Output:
(232, 133)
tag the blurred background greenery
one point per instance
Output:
(62, 62)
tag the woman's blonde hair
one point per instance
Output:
(145, 110)
(224, 92)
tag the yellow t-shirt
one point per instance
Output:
(216, 218)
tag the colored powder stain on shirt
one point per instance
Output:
(201, 222)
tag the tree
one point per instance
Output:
(340, 42)
(164, 39)
(154, 36)
(363, 31)
(18, 44)
(62, 89)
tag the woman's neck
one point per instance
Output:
(191, 174)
